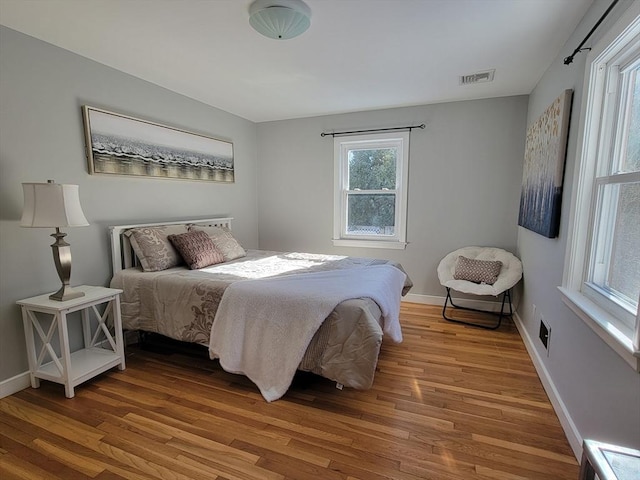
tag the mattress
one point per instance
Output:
(181, 304)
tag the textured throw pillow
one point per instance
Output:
(223, 240)
(153, 248)
(477, 271)
(197, 249)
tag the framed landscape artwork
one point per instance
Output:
(122, 145)
(544, 157)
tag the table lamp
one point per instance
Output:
(53, 205)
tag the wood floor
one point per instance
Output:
(450, 402)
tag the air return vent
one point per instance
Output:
(478, 77)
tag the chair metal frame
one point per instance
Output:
(506, 295)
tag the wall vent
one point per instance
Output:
(478, 77)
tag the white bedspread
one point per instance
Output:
(263, 327)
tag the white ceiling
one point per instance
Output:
(357, 54)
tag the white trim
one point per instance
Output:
(341, 242)
(567, 423)
(14, 384)
(603, 324)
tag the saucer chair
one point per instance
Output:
(475, 270)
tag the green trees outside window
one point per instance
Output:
(371, 198)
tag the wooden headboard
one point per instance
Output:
(122, 254)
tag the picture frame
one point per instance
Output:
(118, 144)
(543, 173)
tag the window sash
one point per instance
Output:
(614, 85)
(370, 236)
(605, 223)
(597, 284)
(346, 192)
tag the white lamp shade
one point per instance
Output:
(52, 205)
(280, 19)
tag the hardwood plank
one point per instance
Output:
(15, 467)
(66, 427)
(82, 464)
(544, 453)
(31, 463)
(451, 402)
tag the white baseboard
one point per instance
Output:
(463, 302)
(14, 384)
(569, 427)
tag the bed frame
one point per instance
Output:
(122, 254)
(361, 313)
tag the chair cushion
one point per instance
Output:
(510, 273)
(477, 271)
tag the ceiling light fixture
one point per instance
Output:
(280, 19)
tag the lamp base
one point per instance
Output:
(66, 293)
(62, 259)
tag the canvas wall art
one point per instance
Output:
(122, 145)
(544, 157)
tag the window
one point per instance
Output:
(370, 201)
(602, 279)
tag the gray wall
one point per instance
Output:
(42, 88)
(465, 176)
(465, 171)
(599, 389)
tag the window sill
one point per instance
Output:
(601, 322)
(395, 245)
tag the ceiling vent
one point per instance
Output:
(479, 77)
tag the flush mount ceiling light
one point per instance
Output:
(280, 19)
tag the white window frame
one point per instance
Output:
(342, 145)
(606, 316)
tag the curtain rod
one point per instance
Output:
(569, 59)
(408, 127)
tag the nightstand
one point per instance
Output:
(102, 349)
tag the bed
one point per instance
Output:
(257, 299)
